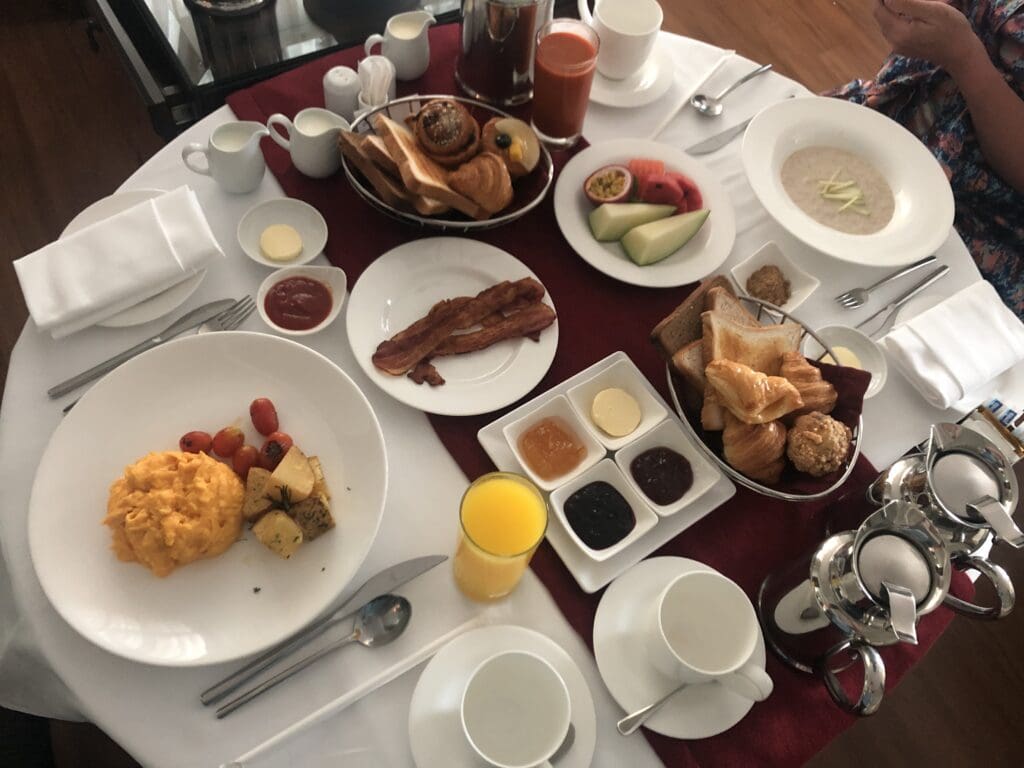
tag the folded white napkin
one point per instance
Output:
(952, 349)
(95, 273)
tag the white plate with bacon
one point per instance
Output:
(480, 344)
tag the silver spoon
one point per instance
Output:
(711, 106)
(378, 623)
(631, 723)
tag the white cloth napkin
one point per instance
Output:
(95, 273)
(952, 349)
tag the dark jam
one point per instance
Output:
(599, 515)
(662, 474)
(298, 303)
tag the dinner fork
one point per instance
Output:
(855, 297)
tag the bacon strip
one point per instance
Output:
(426, 372)
(533, 319)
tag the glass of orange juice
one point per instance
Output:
(503, 518)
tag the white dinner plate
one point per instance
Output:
(644, 86)
(248, 598)
(401, 286)
(624, 616)
(435, 725)
(924, 200)
(695, 260)
(155, 306)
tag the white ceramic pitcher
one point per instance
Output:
(627, 29)
(233, 156)
(405, 43)
(312, 140)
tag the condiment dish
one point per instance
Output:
(801, 284)
(871, 357)
(669, 434)
(619, 375)
(557, 407)
(332, 277)
(604, 471)
(304, 218)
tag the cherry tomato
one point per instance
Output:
(227, 441)
(263, 415)
(274, 449)
(245, 458)
(195, 442)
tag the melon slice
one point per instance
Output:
(650, 243)
(611, 221)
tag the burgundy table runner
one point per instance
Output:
(747, 538)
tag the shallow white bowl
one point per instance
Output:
(670, 435)
(872, 359)
(801, 284)
(333, 277)
(557, 406)
(284, 210)
(609, 473)
(621, 375)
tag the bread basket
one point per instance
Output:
(528, 191)
(766, 313)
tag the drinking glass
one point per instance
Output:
(503, 517)
(564, 65)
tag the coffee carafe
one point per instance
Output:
(857, 591)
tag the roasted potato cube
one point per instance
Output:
(313, 516)
(319, 481)
(293, 473)
(278, 533)
(256, 500)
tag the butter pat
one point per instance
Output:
(615, 412)
(846, 357)
(280, 242)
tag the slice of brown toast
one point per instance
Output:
(688, 362)
(760, 347)
(389, 190)
(726, 303)
(683, 325)
(420, 174)
(375, 149)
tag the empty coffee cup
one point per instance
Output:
(311, 139)
(233, 156)
(628, 30)
(704, 630)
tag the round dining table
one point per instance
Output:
(352, 708)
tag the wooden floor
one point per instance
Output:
(72, 129)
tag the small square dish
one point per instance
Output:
(585, 507)
(622, 375)
(801, 284)
(558, 409)
(669, 434)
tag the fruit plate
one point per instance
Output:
(527, 191)
(701, 256)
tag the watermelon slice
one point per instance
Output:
(645, 166)
(692, 198)
(660, 189)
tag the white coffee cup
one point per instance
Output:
(628, 30)
(704, 629)
(516, 710)
(405, 43)
(233, 156)
(312, 140)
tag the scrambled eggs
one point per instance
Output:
(173, 508)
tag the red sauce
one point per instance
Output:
(561, 83)
(298, 303)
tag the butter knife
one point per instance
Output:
(189, 320)
(384, 582)
(898, 302)
(719, 140)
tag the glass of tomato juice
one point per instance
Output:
(503, 517)
(563, 69)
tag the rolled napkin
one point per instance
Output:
(377, 76)
(102, 270)
(960, 344)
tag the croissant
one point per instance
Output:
(485, 181)
(751, 396)
(756, 450)
(818, 394)
(446, 132)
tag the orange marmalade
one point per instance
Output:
(551, 448)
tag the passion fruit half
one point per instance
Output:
(611, 184)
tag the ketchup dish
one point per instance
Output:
(298, 301)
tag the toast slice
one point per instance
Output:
(683, 326)
(420, 174)
(388, 189)
(760, 347)
(374, 148)
(688, 362)
(724, 302)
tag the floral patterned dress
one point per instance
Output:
(924, 98)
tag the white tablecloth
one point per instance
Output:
(48, 669)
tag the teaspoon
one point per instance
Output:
(711, 106)
(631, 723)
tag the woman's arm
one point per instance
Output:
(939, 33)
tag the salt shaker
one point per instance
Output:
(341, 91)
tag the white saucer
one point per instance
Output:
(647, 84)
(155, 306)
(435, 725)
(622, 620)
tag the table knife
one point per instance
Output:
(186, 322)
(719, 140)
(384, 582)
(898, 302)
